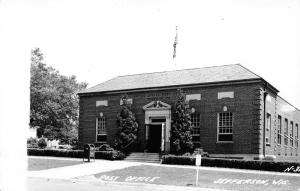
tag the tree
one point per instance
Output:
(127, 126)
(53, 100)
(181, 138)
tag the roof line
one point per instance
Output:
(180, 86)
(181, 70)
(260, 77)
(288, 103)
(101, 83)
(250, 71)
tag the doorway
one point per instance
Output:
(154, 140)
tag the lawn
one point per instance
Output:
(43, 164)
(162, 175)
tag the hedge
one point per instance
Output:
(230, 163)
(109, 155)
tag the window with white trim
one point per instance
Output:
(296, 136)
(129, 101)
(279, 130)
(286, 129)
(101, 134)
(225, 126)
(268, 129)
(292, 134)
(189, 97)
(195, 118)
(222, 95)
(101, 103)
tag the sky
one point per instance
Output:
(98, 40)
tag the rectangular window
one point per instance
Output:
(296, 136)
(292, 134)
(129, 101)
(101, 129)
(158, 120)
(225, 95)
(101, 103)
(279, 130)
(195, 118)
(225, 126)
(268, 129)
(286, 130)
(193, 97)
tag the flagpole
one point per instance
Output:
(175, 47)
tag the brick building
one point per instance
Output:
(236, 113)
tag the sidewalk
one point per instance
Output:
(105, 165)
(79, 170)
(176, 177)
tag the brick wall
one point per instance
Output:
(276, 106)
(245, 107)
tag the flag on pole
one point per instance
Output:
(175, 44)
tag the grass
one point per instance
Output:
(186, 177)
(35, 164)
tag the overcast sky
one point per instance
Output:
(98, 40)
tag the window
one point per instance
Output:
(268, 129)
(158, 120)
(286, 129)
(101, 129)
(296, 136)
(129, 101)
(101, 103)
(225, 124)
(292, 135)
(225, 95)
(195, 118)
(193, 97)
(279, 130)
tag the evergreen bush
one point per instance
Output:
(181, 138)
(127, 127)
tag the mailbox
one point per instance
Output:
(89, 152)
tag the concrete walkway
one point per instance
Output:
(69, 172)
(99, 166)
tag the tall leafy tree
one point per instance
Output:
(53, 100)
(181, 138)
(127, 126)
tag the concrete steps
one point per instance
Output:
(144, 157)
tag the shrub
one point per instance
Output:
(104, 147)
(42, 143)
(230, 163)
(109, 155)
(173, 159)
(127, 126)
(181, 137)
(32, 143)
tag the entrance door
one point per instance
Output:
(154, 139)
